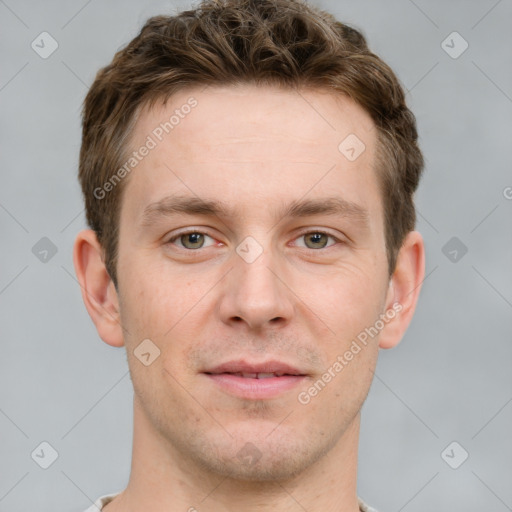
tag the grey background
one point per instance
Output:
(450, 378)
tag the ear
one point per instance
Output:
(404, 289)
(98, 290)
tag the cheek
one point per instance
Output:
(347, 301)
(154, 302)
(170, 311)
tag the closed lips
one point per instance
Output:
(255, 381)
(261, 375)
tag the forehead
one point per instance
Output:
(263, 141)
(223, 115)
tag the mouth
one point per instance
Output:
(260, 375)
(255, 381)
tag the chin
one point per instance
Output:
(261, 457)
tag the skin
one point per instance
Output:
(257, 149)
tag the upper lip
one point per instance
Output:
(242, 366)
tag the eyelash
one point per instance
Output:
(315, 231)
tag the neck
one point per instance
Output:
(163, 479)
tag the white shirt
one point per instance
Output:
(103, 500)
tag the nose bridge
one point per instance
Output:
(255, 293)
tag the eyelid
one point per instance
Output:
(187, 231)
(201, 231)
(323, 232)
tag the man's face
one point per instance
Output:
(255, 286)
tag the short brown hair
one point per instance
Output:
(285, 43)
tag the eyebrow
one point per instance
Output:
(189, 205)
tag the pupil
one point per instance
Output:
(315, 238)
(193, 239)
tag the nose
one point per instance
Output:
(255, 295)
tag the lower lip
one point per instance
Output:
(255, 389)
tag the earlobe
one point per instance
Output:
(404, 289)
(98, 291)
